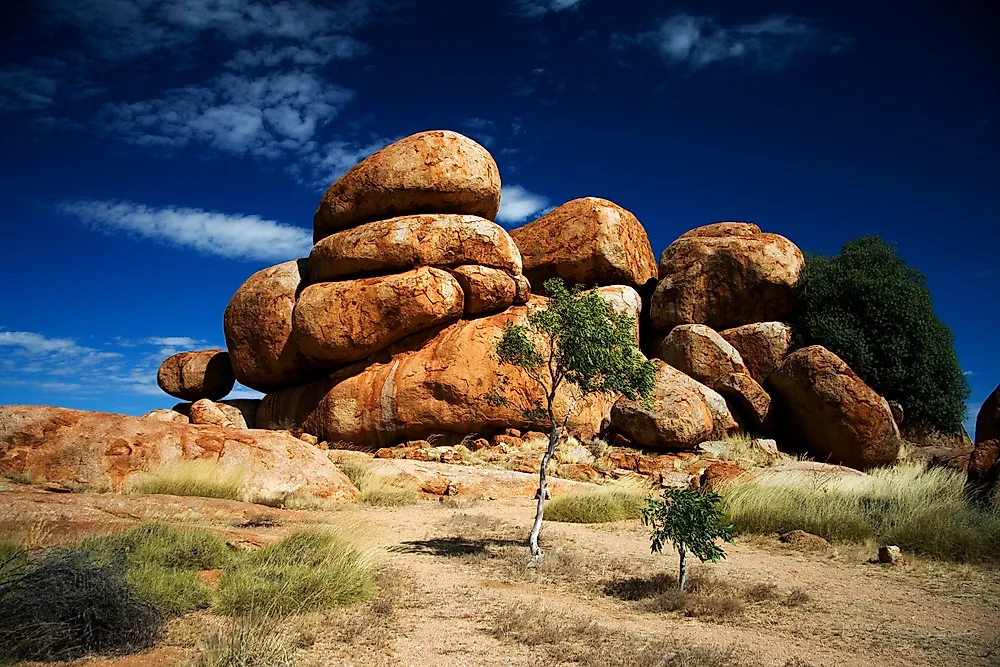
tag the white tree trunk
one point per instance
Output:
(536, 551)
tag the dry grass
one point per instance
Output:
(19, 477)
(204, 478)
(377, 489)
(921, 510)
(249, 641)
(618, 501)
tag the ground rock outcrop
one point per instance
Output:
(403, 243)
(588, 241)
(439, 171)
(762, 346)
(726, 275)
(100, 451)
(346, 321)
(190, 376)
(836, 415)
(988, 419)
(258, 328)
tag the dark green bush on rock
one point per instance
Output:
(867, 306)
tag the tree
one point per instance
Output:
(576, 340)
(692, 521)
(870, 308)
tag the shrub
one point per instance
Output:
(207, 479)
(308, 570)
(920, 510)
(66, 605)
(599, 506)
(691, 521)
(376, 489)
(867, 306)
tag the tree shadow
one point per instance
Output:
(640, 588)
(450, 547)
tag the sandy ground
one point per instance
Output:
(451, 574)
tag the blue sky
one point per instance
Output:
(157, 152)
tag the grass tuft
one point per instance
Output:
(207, 479)
(920, 510)
(248, 641)
(19, 477)
(376, 489)
(604, 504)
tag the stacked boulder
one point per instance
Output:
(201, 378)
(983, 481)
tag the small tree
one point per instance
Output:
(692, 521)
(577, 339)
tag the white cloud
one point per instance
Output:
(319, 166)
(232, 236)
(518, 204)
(698, 41)
(320, 51)
(534, 9)
(173, 341)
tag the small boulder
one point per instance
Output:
(897, 412)
(523, 292)
(988, 419)
(700, 352)
(751, 402)
(720, 474)
(726, 275)
(836, 415)
(587, 241)
(487, 290)
(190, 376)
(762, 346)
(802, 540)
(890, 554)
(439, 171)
(982, 482)
(169, 416)
(205, 411)
(346, 321)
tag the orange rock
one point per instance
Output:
(431, 172)
(648, 465)
(205, 411)
(171, 416)
(523, 292)
(579, 471)
(258, 328)
(100, 450)
(762, 346)
(346, 321)
(833, 412)
(717, 475)
(750, 399)
(487, 290)
(416, 454)
(385, 453)
(587, 241)
(988, 419)
(407, 242)
(193, 375)
(726, 275)
(983, 478)
(512, 432)
(699, 352)
(478, 443)
(623, 459)
(468, 482)
(508, 440)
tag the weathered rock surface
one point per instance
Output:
(100, 450)
(208, 412)
(169, 416)
(438, 381)
(983, 479)
(726, 275)
(988, 419)
(523, 290)
(678, 417)
(587, 241)
(762, 346)
(258, 328)
(400, 244)
(442, 479)
(346, 321)
(487, 290)
(839, 418)
(439, 171)
(751, 401)
(193, 375)
(700, 352)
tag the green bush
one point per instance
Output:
(867, 306)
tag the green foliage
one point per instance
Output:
(867, 306)
(377, 489)
(690, 520)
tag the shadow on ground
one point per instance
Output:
(452, 546)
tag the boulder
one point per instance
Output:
(762, 346)
(587, 241)
(193, 375)
(238, 412)
(403, 243)
(431, 172)
(241, 411)
(343, 322)
(890, 554)
(988, 419)
(258, 328)
(720, 474)
(438, 381)
(726, 275)
(523, 290)
(205, 411)
(750, 400)
(169, 416)
(100, 451)
(487, 290)
(833, 412)
(983, 478)
(677, 418)
(701, 353)
(897, 412)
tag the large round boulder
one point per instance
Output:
(431, 172)
(700, 352)
(346, 321)
(190, 376)
(726, 275)
(403, 243)
(836, 415)
(487, 290)
(762, 346)
(676, 416)
(439, 381)
(983, 479)
(988, 419)
(258, 328)
(587, 241)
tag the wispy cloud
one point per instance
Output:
(698, 41)
(536, 9)
(517, 204)
(211, 233)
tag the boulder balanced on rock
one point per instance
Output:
(194, 375)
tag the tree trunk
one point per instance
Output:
(684, 568)
(536, 551)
